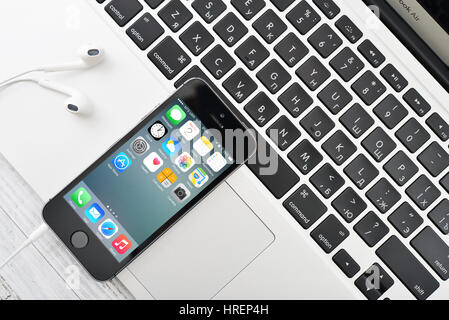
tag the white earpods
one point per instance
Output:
(76, 101)
(90, 56)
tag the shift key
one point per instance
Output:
(169, 58)
(407, 268)
(434, 250)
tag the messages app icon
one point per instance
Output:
(175, 115)
(81, 197)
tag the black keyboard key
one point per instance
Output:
(383, 195)
(240, 85)
(349, 205)
(313, 73)
(349, 29)
(423, 192)
(291, 49)
(440, 216)
(330, 234)
(371, 53)
(346, 263)
(379, 144)
(371, 229)
(339, 147)
(248, 9)
(435, 159)
(269, 26)
(169, 58)
(101, 1)
(275, 174)
(175, 15)
(357, 121)
(296, 100)
(361, 172)
(317, 123)
(335, 97)
(283, 132)
(218, 62)
(145, 31)
(445, 183)
(417, 102)
(197, 38)
(230, 29)
(325, 40)
(261, 109)
(401, 169)
(196, 72)
(374, 282)
(434, 250)
(122, 11)
(439, 126)
(209, 10)
(282, 4)
(327, 181)
(407, 268)
(305, 157)
(154, 3)
(412, 135)
(347, 64)
(369, 88)
(305, 207)
(328, 7)
(406, 220)
(273, 76)
(252, 53)
(390, 111)
(394, 77)
(303, 17)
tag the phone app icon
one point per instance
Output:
(189, 130)
(216, 161)
(171, 146)
(122, 244)
(181, 193)
(140, 146)
(203, 146)
(121, 162)
(153, 162)
(94, 213)
(167, 177)
(185, 162)
(81, 197)
(198, 177)
(157, 130)
(175, 115)
(108, 228)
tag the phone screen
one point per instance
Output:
(147, 180)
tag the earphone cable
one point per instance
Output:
(10, 80)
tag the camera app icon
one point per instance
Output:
(181, 193)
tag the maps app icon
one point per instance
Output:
(121, 162)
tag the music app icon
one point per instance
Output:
(121, 244)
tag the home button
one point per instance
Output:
(79, 239)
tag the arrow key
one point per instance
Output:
(345, 262)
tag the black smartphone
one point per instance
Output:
(149, 179)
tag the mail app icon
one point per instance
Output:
(94, 213)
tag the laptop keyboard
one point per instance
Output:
(380, 114)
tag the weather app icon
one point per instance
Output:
(171, 146)
(121, 162)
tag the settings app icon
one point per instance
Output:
(139, 146)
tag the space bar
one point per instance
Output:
(407, 268)
(275, 174)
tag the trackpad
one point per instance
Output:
(205, 250)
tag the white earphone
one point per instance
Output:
(77, 103)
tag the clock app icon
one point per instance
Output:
(158, 130)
